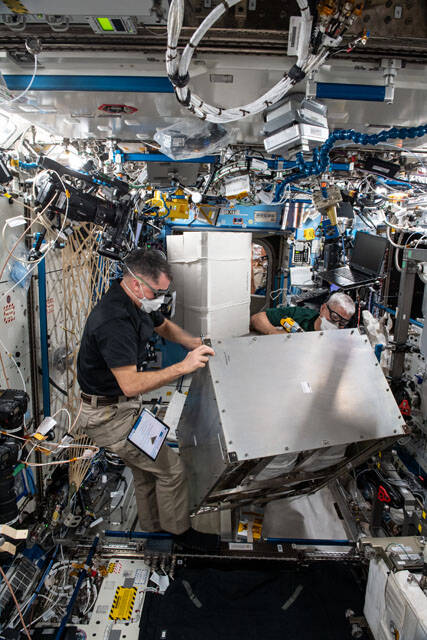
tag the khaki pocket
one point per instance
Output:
(101, 415)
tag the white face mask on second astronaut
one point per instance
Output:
(325, 324)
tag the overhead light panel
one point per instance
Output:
(105, 24)
(112, 24)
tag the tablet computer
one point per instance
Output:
(148, 434)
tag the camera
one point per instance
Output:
(77, 199)
(13, 405)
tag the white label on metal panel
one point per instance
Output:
(265, 216)
(240, 546)
(280, 548)
(306, 387)
(141, 576)
(16, 221)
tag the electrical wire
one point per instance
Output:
(177, 66)
(28, 87)
(45, 612)
(77, 417)
(67, 414)
(7, 352)
(9, 586)
(59, 445)
(10, 255)
(50, 248)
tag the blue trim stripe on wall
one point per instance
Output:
(130, 84)
(336, 91)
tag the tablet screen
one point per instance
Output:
(148, 434)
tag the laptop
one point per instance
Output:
(365, 263)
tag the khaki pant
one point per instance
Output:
(160, 486)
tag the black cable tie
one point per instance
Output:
(170, 58)
(203, 117)
(186, 101)
(220, 110)
(296, 74)
(267, 103)
(179, 81)
(244, 112)
(193, 46)
(226, 5)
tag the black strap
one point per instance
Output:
(296, 74)
(179, 81)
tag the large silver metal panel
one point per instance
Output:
(269, 395)
(292, 393)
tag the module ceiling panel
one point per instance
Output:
(221, 80)
(78, 8)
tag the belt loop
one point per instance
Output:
(94, 402)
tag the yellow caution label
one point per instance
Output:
(38, 436)
(110, 568)
(420, 528)
(424, 515)
(16, 6)
(309, 234)
(123, 603)
(255, 526)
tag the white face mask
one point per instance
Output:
(151, 305)
(326, 324)
(145, 304)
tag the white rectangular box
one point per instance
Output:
(212, 273)
(231, 321)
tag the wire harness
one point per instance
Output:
(177, 65)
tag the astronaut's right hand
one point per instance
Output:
(196, 359)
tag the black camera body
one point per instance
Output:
(13, 405)
(81, 205)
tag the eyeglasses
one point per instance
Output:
(336, 318)
(157, 292)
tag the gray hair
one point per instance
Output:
(343, 301)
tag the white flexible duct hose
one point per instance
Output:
(177, 67)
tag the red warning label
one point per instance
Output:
(50, 305)
(9, 312)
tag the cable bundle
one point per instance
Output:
(177, 65)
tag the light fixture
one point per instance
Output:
(112, 24)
